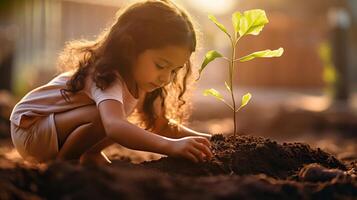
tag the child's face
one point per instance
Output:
(156, 68)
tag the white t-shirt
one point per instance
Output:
(47, 99)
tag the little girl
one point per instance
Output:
(140, 67)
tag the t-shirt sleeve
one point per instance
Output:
(114, 91)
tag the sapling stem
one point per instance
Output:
(231, 72)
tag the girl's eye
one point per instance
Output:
(159, 67)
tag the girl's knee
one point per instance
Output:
(95, 118)
(90, 114)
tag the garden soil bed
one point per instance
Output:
(243, 167)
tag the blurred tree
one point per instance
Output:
(6, 62)
(340, 25)
(7, 42)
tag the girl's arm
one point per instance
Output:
(172, 129)
(133, 137)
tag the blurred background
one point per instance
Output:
(309, 94)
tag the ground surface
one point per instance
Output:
(243, 167)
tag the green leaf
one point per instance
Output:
(329, 74)
(325, 53)
(220, 26)
(217, 95)
(214, 93)
(245, 100)
(263, 54)
(236, 17)
(227, 86)
(210, 56)
(252, 22)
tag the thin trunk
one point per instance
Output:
(231, 72)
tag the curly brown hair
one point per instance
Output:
(138, 27)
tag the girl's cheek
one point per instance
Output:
(152, 74)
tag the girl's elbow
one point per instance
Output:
(109, 128)
(112, 128)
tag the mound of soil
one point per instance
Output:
(245, 155)
(243, 167)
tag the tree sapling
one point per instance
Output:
(251, 22)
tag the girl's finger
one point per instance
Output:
(204, 149)
(191, 157)
(197, 153)
(204, 141)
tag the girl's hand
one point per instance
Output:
(208, 136)
(194, 148)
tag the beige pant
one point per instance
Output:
(39, 142)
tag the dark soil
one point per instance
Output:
(245, 155)
(243, 167)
